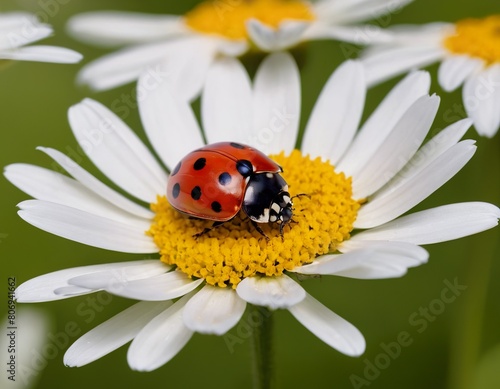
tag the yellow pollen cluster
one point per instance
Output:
(228, 18)
(235, 250)
(477, 38)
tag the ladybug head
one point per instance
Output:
(267, 199)
(280, 210)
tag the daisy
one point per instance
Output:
(350, 224)
(184, 46)
(18, 29)
(469, 51)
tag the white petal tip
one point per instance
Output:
(271, 292)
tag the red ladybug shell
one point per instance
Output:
(210, 182)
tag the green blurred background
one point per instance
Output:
(459, 348)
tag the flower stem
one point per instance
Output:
(262, 347)
(466, 337)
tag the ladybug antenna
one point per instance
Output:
(300, 195)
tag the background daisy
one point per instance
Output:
(469, 52)
(183, 46)
(19, 29)
(445, 342)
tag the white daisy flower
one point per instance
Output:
(184, 46)
(358, 183)
(18, 29)
(469, 51)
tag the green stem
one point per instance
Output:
(466, 337)
(262, 347)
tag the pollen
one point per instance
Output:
(228, 18)
(323, 217)
(477, 38)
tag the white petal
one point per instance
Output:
(107, 28)
(399, 146)
(381, 122)
(266, 38)
(329, 327)
(43, 54)
(455, 69)
(368, 260)
(86, 228)
(71, 291)
(231, 47)
(226, 102)
(430, 34)
(481, 95)
(169, 122)
(116, 150)
(21, 28)
(96, 186)
(124, 66)
(271, 292)
(328, 9)
(213, 310)
(119, 275)
(48, 185)
(160, 340)
(336, 114)
(113, 333)
(368, 10)
(8, 20)
(159, 287)
(428, 153)
(367, 34)
(42, 288)
(185, 67)
(393, 201)
(392, 62)
(276, 101)
(436, 225)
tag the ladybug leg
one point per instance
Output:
(257, 227)
(282, 225)
(207, 229)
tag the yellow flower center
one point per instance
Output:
(227, 254)
(477, 38)
(228, 18)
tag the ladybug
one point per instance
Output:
(215, 182)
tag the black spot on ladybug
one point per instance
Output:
(225, 178)
(196, 193)
(237, 145)
(176, 169)
(244, 167)
(216, 207)
(199, 164)
(176, 190)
